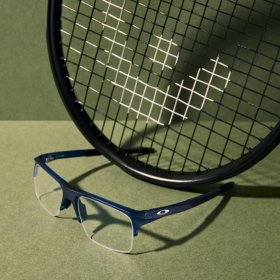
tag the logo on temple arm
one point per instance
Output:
(162, 212)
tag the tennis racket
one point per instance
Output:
(195, 82)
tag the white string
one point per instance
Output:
(68, 8)
(191, 95)
(137, 80)
(167, 53)
(175, 104)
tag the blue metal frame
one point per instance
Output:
(138, 218)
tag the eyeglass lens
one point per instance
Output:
(106, 226)
(48, 191)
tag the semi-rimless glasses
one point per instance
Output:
(106, 223)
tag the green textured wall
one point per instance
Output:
(27, 90)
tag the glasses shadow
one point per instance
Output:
(176, 242)
(237, 191)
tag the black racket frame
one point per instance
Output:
(119, 157)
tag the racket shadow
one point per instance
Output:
(239, 190)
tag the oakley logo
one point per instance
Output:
(162, 212)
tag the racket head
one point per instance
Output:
(142, 168)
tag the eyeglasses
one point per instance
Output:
(106, 223)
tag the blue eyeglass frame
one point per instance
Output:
(138, 218)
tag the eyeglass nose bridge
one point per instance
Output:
(73, 198)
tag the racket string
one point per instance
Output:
(196, 125)
(164, 64)
(225, 53)
(259, 105)
(160, 144)
(251, 66)
(155, 88)
(200, 29)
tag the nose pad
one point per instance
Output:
(66, 204)
(83, 212)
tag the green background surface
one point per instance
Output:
(235, 236)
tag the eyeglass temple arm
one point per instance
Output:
(89, 153)
(160, 212)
